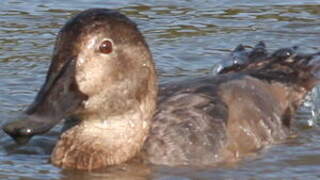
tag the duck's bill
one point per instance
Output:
(58, 98)
(27, 126)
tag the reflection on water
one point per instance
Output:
(187, 38)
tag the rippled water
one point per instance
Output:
(187, 38)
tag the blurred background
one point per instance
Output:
(187, 38)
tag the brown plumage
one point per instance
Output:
(109, 98)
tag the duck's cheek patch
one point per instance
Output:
(80, 61)
(90, 78)
(85, 104)
(83, 80)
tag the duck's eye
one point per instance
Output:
(106, 47)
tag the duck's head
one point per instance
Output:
(102, 74)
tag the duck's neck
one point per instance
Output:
(96, 143)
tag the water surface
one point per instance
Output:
(187, 39)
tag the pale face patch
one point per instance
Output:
(93, 67)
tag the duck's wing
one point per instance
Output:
(237, 112)
(189, 127)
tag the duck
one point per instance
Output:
(102, 83)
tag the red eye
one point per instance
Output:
(106, 47)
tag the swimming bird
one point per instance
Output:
(102, 81)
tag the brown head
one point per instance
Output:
(102, 74)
